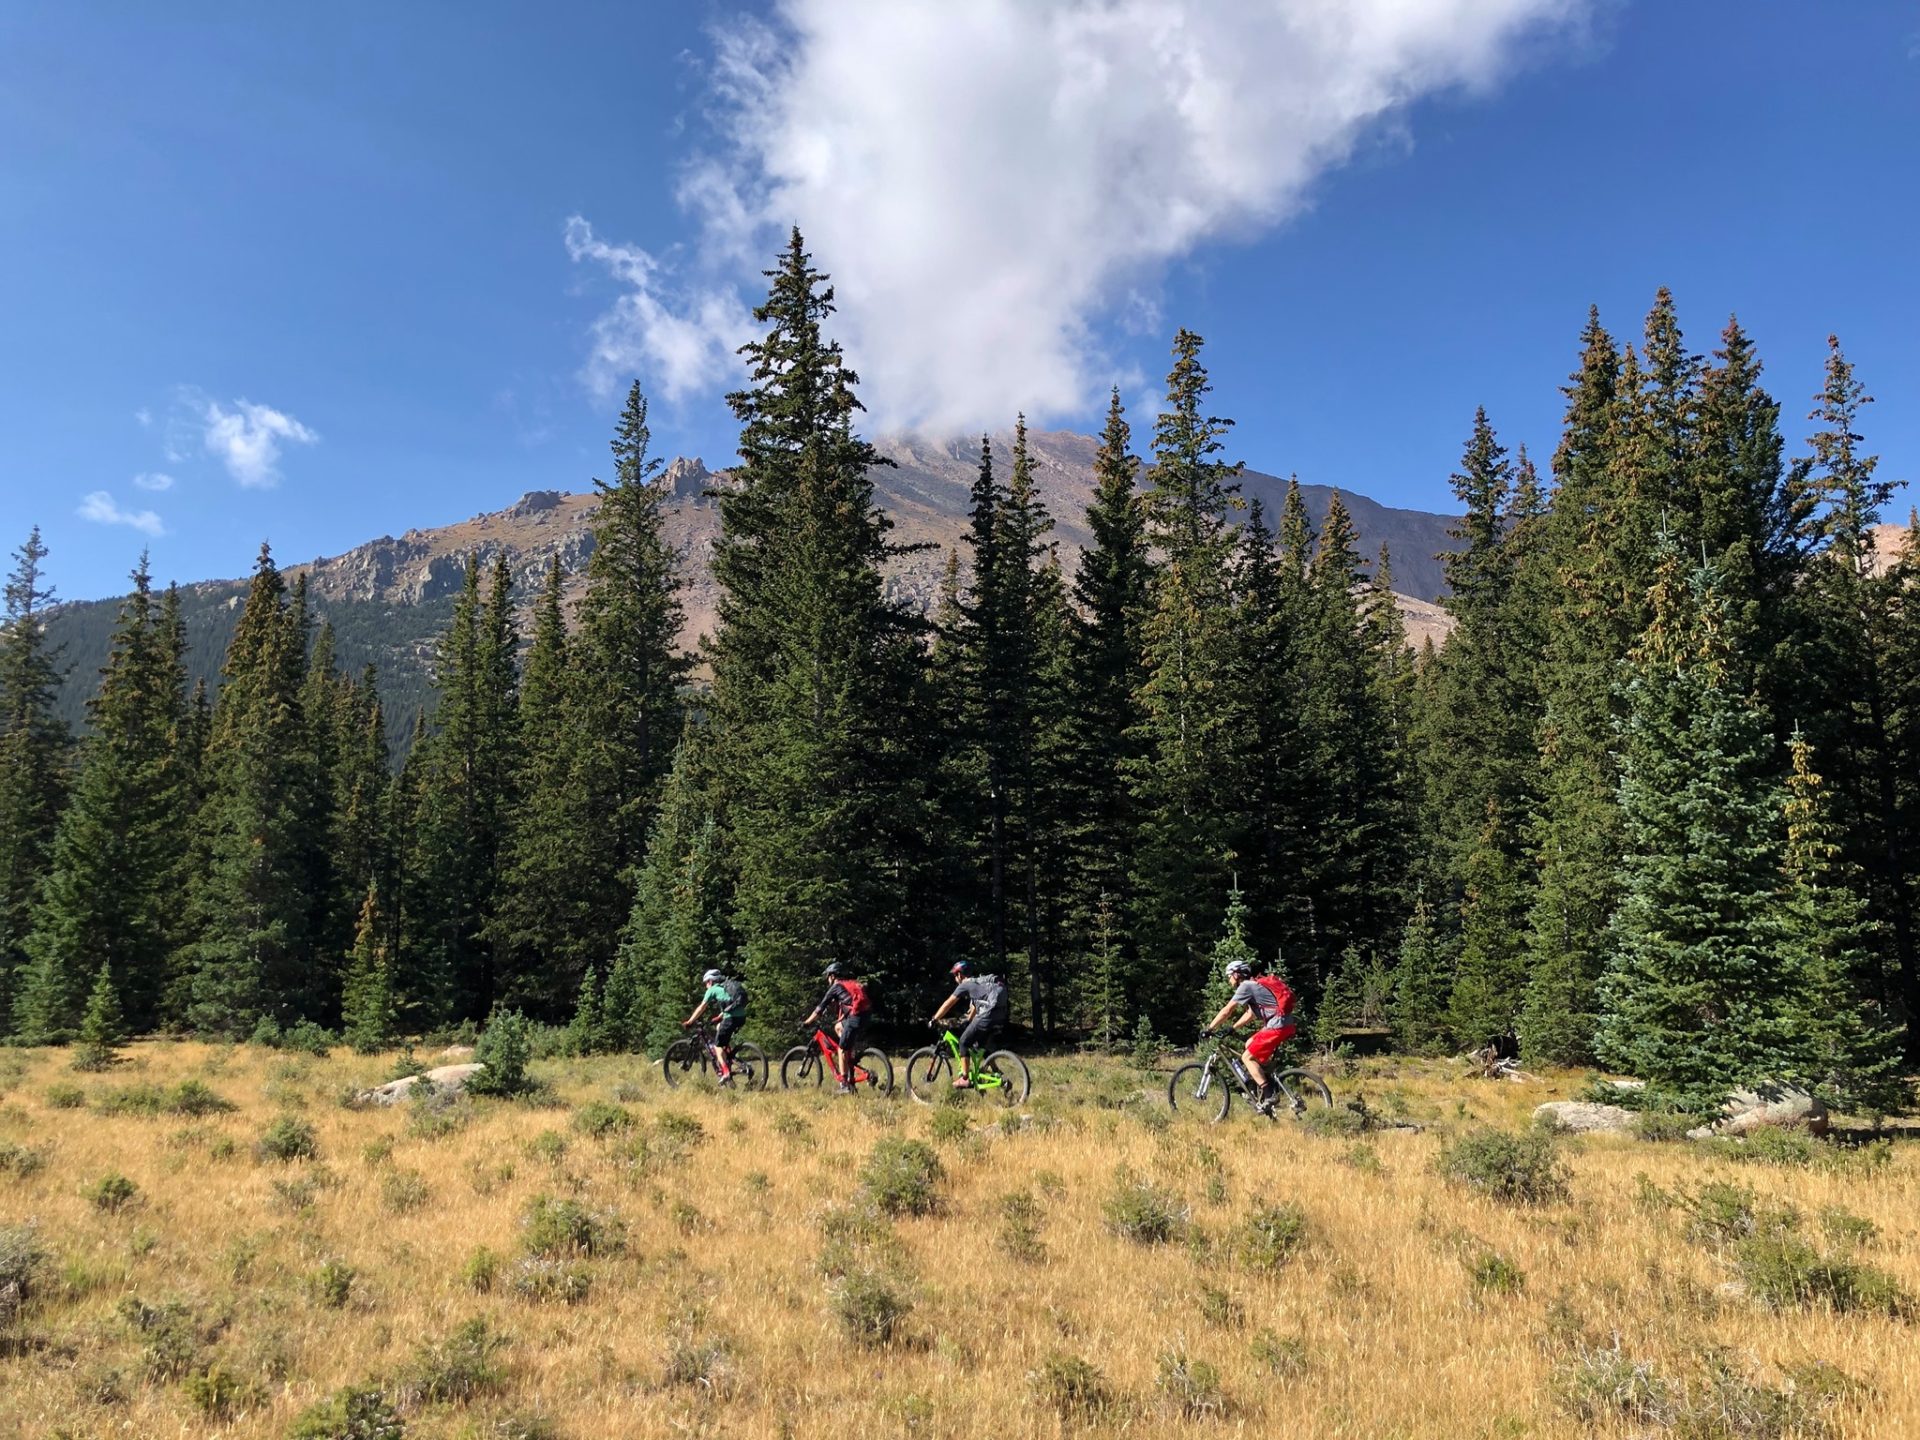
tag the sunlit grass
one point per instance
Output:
(702, 1264)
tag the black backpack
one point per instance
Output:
(736, 998)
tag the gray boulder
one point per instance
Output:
(445, 1077)
(1581, 1117)
(1748, 1110)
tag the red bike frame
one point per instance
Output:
(830, 1051)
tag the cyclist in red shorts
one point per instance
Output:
(1264, 999)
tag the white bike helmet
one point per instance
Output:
(712, 977)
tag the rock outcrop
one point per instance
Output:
(1580, 1117)
(1775, 1107)
(444, 1077)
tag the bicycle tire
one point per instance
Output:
(1306, 1092)
(879, 1069)
(1183, 1097)
(678, 1059)
(928, 1073)
(750, 1064)
(1016, 1080)
(798, 1069)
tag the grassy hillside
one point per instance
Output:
(616, 1260)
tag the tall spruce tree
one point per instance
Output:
(624, 702)
(367, 1008)
(251, 956)
(815, 670)
(1693, 992)
(33, 759)
(1835, 1036)
(1490, 975)
(112, 890)
(1421, 987)
(1110, 598)
(1184, 785)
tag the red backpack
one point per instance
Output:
(1282, 996)
(857, 1001)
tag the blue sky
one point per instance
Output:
(316, 268)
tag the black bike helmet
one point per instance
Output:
(832, 972)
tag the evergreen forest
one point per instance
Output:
(1653, 807)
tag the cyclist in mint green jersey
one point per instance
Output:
(729, 999)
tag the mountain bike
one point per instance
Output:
(1001, 1076)
(1200, 1089)
(812, 1061)
(679, 1059)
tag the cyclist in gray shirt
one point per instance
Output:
(988, 997)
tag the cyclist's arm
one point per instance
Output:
(699, 1010)
(945, 1008)
(1221, 1019)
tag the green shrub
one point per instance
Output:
(332, 1283)
(1074, 1389)
(869, 1307)
(1273, 1235)
(704, 1365)
(1843, 1228)
(65, 1097)
(1285, 1358)
(1336, 1120)
(288, 1138)
(23, 1265)
(480, 1271)
(402, 1192)
(504, 1048)
(1721, 1214)
(1783, 1271)
(195, 1098)
(791, 1127)
(1522, 1169)
(350, 1414)
(1597, 1384)
(858, 1237)
(902, 1177)
(542, 1279)
(683, 1130)
(171, 1341)
(600, 1119)
(559, 1229)
(1190, 1387)
(267, 1033)
(111, 1193)
(1218, 1307)
(459, 1367)
(1491, 1273)
(308, 1038)
(548, 1145)
(216, 1392)
(1663, 1125)
(1144, 1213)
(948, 1123)
(140, 1099)
(434, 1113)
(22, 1161)
(1020, 1227)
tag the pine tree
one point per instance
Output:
(1183, 782)
(1575, 831)
(252, 954)
(560, 874)
(586, 1031)
(1421, 988)
(1234, 945)
(1110, 597)
(1835, 1037)
(33, 758)
(1846, 610)
(1490, 979)
(367, 1010)
(624, 703)
(112, 888)
(815, 670)
(102, 1028)
(1107, 997)
(1693, 986)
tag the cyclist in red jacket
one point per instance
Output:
(1267, 1000)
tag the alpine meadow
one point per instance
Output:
(1085, 970)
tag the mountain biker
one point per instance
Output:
(846, 1005)
(988, 999)
(1267, 999)
(729, 998)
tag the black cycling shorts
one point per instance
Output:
(723, 1032)
(852, 1032)
(981, 1030)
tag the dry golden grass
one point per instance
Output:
(724, 1243)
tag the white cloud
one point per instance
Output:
(247, 439)
(153, 480)
(143, 417)
(101, 508)
(989, 182)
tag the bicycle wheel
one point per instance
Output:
(800, 1067)
(1185, 1099)
(678, 1060)
(873, 1073)
(1304, 1092)
(750, 1066)
(929, 1072)
(1011, 1071)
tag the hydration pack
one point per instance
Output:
(858, 1002)
(1282, 996)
